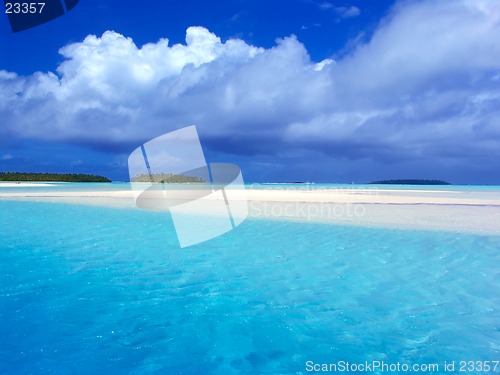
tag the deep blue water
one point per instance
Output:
(94, 290)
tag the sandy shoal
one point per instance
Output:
(24, 184)
(462, 211)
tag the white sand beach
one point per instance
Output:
(438, 209)
(24, 184)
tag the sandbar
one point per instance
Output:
(474, 211)
(24, 184)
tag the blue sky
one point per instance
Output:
(297, 90)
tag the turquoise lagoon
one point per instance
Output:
(98, 290)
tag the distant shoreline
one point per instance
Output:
(18, 177)
(410, 182)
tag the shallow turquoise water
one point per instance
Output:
(91, 290)
(117, 186)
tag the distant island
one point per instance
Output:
(411, 182)
(167, 178)
(53, 177)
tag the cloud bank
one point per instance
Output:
(425, 87)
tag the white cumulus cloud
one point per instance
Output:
(348, 12)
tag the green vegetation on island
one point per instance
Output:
(52, 177)
(411, 182)
(168, 178)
